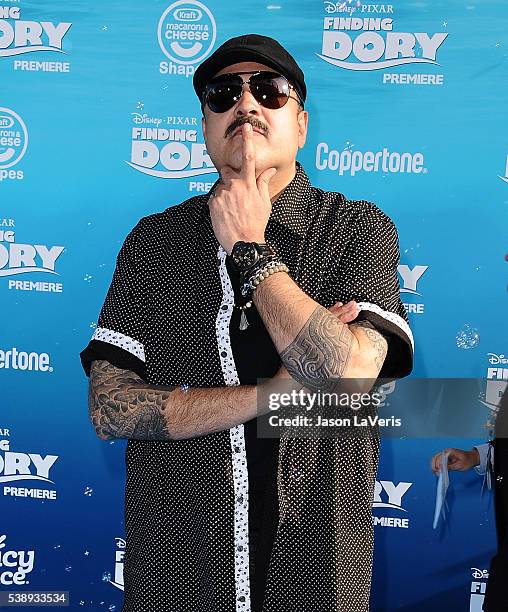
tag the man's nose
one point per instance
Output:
(247, 104)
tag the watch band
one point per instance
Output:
(264, 249)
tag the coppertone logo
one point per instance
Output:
(168, 147)
(18, 36)
(13, 359)
(370, 43)
(351, 162)
(13, 143)
(19, 563)
(186, 33)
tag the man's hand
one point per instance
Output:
(241, 206)
(458, 459)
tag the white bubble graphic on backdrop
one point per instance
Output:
(468, 337)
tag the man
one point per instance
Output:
(212, 295)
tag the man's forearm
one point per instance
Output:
(122, 405)
(314, 345)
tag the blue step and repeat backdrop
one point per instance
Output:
(99, 125)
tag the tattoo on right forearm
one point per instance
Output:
(376, 340)
(122, 405)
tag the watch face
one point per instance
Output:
(244, 255)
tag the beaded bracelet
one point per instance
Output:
(270, 268)
(246, 275)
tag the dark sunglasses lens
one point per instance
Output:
(270, 91)
(223, 95)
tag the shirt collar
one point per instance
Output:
(290, 209)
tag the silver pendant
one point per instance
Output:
(243, 321)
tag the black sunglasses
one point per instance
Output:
(270, 89)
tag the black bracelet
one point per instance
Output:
(260, 263)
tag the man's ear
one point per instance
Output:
(203, 125)
(303, 122)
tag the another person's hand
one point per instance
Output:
(458, 459)
(346, 312)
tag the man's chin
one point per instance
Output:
(236, 162)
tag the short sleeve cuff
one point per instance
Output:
(120, 350)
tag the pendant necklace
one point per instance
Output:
(243, 319)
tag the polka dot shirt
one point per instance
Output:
(170, 316)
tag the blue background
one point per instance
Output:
(78, 191)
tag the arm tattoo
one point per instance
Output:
(122, 405)
(376, 340)
(321, 350)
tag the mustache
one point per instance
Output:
(256, 123)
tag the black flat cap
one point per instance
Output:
(251, 48)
